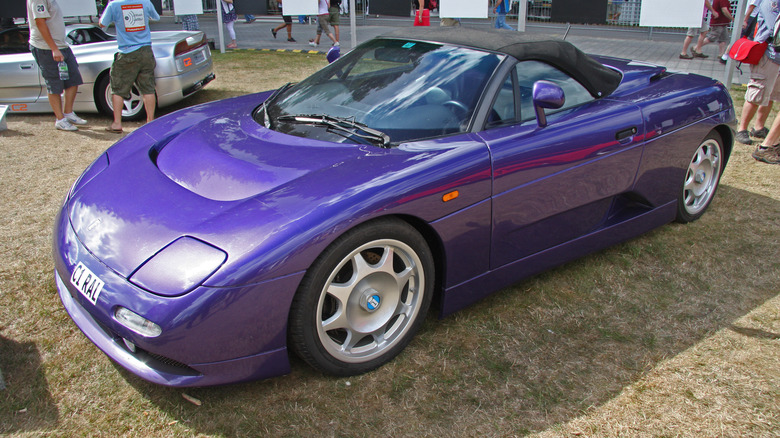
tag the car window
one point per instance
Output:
(14, 41)
(528, 72)
(87, 35)
(503, 109)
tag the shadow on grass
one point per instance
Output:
(26, 405)
(530, 356)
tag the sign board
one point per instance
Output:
(671, 13)
(579, 11)
(187, 7)
(300, 7)
(464, 8)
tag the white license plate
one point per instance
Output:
(89, 284)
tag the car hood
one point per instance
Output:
(224, 180)
(221, 161)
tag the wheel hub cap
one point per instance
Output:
(370, 300)
(700, 176)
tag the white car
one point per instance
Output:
(184, 66)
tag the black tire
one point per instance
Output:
(701, 179)
(134, 108)
(363, 299)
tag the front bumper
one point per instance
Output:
(211, 336)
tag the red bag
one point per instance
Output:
(748, 51)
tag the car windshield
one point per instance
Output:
(384, 92)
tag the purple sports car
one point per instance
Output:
(424, 166)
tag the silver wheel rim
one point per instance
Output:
(370, 301)
(132, 106)
(702, 177)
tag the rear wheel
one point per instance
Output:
(701, 179)
(133, 108)
(363, 299)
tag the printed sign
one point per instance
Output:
(134, 18)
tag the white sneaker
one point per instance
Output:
(336, 44)
(76, 120)
(65, 125)
(313, 44)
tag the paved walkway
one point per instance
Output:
(631, 43)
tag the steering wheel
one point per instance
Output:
(457, 107)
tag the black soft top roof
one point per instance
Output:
(599, 79)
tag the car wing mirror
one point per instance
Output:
(547, 95)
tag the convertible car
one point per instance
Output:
(183, 68)
(423, 170)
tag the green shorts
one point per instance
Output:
(134, 67)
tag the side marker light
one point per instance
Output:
(450, 196)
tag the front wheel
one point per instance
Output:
(133, 108)
(363, 299)
(701, 179)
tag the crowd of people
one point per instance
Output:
(763, 88)
(60, 70)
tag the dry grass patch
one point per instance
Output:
(674, 333)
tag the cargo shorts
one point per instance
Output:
(134, 67)
(763, 85)
(51, 72)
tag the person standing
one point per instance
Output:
(323, 18)
(718, 32)
(759, 129)
(229, 17)
(189, 22)
(287, 23)
(501, 11)
(55, 60)
(693, 32)
(763, 77)
(422, 17)
(135, 61)
(334, 14)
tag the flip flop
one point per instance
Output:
(114, 131)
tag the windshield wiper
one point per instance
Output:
(341, 125)
(266, 119)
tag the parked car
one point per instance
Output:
(183, 58)
(426, 165)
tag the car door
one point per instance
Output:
(554, 183)
(20, 81)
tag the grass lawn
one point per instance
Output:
(675, 333)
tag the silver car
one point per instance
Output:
(184, 66)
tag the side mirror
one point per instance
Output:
(546, 95)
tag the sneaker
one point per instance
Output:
(74, 119)
(722, 61)
(65, 125)
(761, 133)
(312, 43)
(743, 137)
(769, 155)
(685, 56)
(291, 39)
(699, 54)
(336, 44)
(274, 33)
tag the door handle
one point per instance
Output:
(625, 134)
(26, 66)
